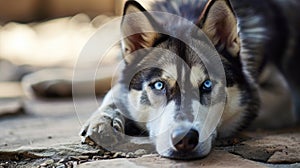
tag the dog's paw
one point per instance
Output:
(105, 128)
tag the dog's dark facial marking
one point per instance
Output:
(144, 99)
(136, 81)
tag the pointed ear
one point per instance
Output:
(220, 26)
(137, 27)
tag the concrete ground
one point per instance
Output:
(44, 133)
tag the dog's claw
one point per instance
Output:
(83, 132)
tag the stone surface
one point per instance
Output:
(60, 82)
(11, 90)
(10, 106)
(10, 99)
(274, 148)
(13, 72)
(45, 123)
(55, 151)
(215, 159)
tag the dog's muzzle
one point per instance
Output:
(184, 143)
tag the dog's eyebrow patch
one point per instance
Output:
(170, 74)
(198, 74)
(170, 71)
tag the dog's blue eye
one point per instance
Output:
(207, 86)
(158, 85)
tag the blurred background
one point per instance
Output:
(36, 10)
(39, 34)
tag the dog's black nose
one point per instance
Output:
(185, 141)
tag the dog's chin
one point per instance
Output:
(202, 150)
(194, 155)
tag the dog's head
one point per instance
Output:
(171, 89)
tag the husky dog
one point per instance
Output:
(258, 43)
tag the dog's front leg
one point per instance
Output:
(106, 125)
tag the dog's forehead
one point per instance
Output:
(174, 61)
(183, 51)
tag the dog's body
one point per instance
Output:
(256, 41)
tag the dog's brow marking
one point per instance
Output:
(170, 72)
(197, 75)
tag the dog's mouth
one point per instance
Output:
(185, 145)
(198, 153)
(194, 155)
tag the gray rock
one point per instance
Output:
(140, 152)
(57, 151)
(277, 148)
(12, 72)
(10, 106)
(111, 163)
